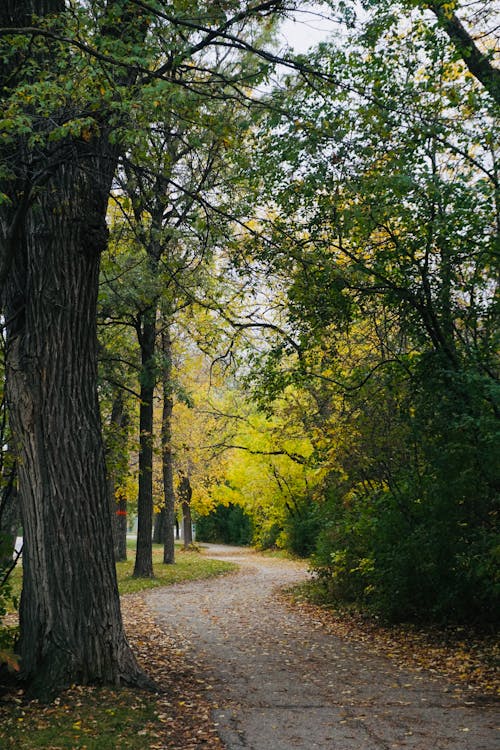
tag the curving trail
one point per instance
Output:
(280, 682)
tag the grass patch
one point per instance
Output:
(188, 566)
(90, 718)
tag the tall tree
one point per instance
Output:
(67, 88)
(166, 447)
(176, 181)
(53, 220)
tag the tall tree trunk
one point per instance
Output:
(71, 628)
(121, 523)
(166, 446)
(144, 554)
(187, 524)
(53, 232)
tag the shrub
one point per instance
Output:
(267, 535)
(301, 528)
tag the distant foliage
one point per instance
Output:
(225, 525)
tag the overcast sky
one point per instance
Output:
(309, 27)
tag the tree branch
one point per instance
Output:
(477, 61)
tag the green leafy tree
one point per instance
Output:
(383, 229)
(72, 81)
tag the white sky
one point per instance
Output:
(308, 27)
(311, 25)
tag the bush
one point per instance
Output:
(267, 535)
(301, 529)
(412, 533)
(343, 558)
(412, 557)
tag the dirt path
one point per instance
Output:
(280, 682)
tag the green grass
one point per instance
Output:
(188, 566)
(94, 719)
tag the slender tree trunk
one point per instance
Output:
(121, 519)
(187, 524)
(166, 445)
(185, 494)
(117, 501)
(159, 527)
(477, 61)
(144, 554)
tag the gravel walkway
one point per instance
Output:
(280, 682)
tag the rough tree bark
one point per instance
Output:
(70, 621)
(71, 629)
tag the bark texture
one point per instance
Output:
(70, 621)
(185, 494)
(71, 628)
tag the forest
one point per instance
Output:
(249, 289)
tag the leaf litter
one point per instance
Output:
(467, 658)
(177, 717)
